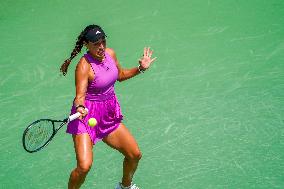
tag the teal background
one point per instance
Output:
(208, 114)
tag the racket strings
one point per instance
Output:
(38, 135)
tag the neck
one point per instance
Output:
(99, 59)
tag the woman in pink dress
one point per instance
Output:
(95, 76)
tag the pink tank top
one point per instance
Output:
(106, 74)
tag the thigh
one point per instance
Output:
(123, 141)
(84, 149)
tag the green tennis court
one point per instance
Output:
(209, 114)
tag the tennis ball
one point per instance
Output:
(92, 122)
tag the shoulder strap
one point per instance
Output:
(90, 60)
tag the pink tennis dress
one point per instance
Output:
(100, 100)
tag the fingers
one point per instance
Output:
(82, 111)
(150, 53)
(147, 52)
(153, 60)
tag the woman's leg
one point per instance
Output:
(84, 155)
(122, 140)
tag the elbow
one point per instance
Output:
(120, 79)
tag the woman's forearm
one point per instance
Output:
(128, 73)
(79, 100)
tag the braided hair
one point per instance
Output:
(77, 49)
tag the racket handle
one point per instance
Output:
(75, 116)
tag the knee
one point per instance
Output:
(135, 155)
(84, 168)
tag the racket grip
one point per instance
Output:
(75, 116)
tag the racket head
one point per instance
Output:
(38, 134)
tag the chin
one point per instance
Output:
(100, 58)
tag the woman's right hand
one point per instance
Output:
(82, 111)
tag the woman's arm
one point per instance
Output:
(81, 82)
(124, 74)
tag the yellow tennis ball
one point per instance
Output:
(92, 122)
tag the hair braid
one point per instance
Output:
(77, 49)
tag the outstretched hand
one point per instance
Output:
(145, 61)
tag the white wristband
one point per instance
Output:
(140, 70)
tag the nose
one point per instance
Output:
(101, 45)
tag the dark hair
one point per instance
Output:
(77, 49)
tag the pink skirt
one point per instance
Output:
(107, 114)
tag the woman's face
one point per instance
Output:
(97, 49)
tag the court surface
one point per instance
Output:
(208, 114)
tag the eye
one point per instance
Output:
(99, 42)
(96, 44)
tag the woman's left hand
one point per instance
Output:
(145, 61)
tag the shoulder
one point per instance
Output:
(83, 65)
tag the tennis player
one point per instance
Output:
(95, 76)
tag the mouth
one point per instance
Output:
(101, 52)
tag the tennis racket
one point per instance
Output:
(39, 133)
